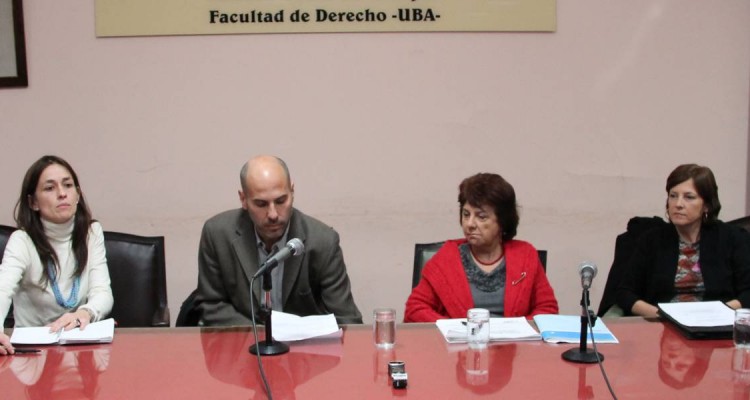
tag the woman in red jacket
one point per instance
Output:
(488, 268)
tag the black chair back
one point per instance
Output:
(189, 314)
(743, 223)
(5, 232)
(543, 258)
(139, 283)
(424, 251)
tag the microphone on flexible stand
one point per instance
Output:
(270, 347)
(587, 270)
(293, 247)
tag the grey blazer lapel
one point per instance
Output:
(246, 251)
(292, 265)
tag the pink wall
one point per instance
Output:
(378, 129)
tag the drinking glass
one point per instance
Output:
(384, 327)
(478, 327)
(742, 328)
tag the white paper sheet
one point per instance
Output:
(700, 313)
(290, 327)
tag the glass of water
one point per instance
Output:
(478, 327)
(742, 327)
(384, 327)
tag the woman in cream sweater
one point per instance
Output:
(54, 269)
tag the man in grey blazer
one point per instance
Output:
(235, 243)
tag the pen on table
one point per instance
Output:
(26, 351)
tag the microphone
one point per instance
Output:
(587, 270)
(582, 354)
(293, 247)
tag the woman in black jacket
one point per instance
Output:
(695, 257)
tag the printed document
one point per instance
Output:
(96, 332)
(501, 330)
(567, 329)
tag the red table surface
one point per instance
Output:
(213, 363)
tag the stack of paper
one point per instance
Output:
(700, 319)
(567, 329)
(97, 332)
(501, 330)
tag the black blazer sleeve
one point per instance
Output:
(648, 270)
(726, 271)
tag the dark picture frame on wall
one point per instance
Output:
(12, 45)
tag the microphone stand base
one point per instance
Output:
(269, 349)
(582, 357)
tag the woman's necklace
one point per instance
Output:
(72, 300)
(486, 264)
